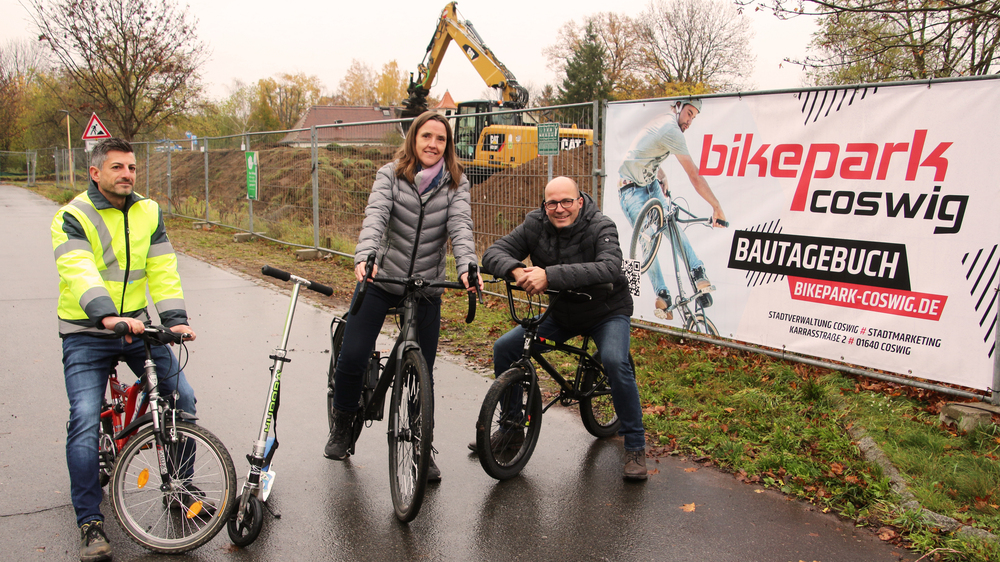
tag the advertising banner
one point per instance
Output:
(862, 221)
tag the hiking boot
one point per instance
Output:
(701, 283)
(192, 500)
(340, 437)
(94, 545)
(635, 465)
(433, 472)
(662, 304)
(503, 439)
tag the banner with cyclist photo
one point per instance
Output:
(861, 222)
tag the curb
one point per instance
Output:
(873, 453)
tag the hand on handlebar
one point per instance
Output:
(359, 271)
(533, 280)
(718, 218)
(186, 331)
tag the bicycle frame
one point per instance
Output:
(126, 403)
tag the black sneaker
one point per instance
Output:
(433, 472)
(503, 439)
(94, 546)
(702, 283)
(662, 306)
(193, 501)
(340, 438)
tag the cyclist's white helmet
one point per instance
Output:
(693, 102)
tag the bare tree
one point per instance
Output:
(20, 61)
(696, 42)
(138, 58)
(876, 40)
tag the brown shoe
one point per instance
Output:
(502, 440)
(635, 465)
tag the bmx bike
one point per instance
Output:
(656, 222)
(511, 415)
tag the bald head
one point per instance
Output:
(562, 201)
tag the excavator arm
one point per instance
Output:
(493, 72)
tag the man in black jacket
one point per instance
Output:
(572, 245)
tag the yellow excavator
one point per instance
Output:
(488, 136)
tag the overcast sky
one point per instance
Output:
(253, 39)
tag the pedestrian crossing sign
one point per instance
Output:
(95, 129)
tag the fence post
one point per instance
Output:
(595, 155)
(32, 166)
(246, 147)
(204, 146)
(147, 170)
(55, 157)
(314, 138)
(170, 150)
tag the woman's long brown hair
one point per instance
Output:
(406, 157)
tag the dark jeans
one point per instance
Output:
(613, 338)
(87, 361)
(362, 331)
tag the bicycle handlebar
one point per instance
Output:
(419, 283)
(571, 294)
(285, 276)
(153, 334)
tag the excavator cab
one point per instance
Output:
(472, 118)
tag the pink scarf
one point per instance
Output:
(425, 177)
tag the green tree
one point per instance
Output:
(617, 34)
(138, 58)
(280, 102)
(586, 78)
(20, 62)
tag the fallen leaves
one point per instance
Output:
(688, 507)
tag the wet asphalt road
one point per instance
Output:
(570, 502)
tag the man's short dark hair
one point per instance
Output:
(101, 150)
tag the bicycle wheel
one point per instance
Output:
(203, 489)
(701, 324)
(598, 411)
(336, 342)
(506, 435)
(646, 236)
(411, 415)
(106, 449)
(244, 533)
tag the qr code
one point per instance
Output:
(632, 273)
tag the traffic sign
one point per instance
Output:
(95, 129)
(548, 139)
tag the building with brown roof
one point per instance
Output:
(326, 118)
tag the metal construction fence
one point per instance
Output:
(313, 194)
(18, 166)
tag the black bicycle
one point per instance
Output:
(173, 483)
(511, 416)
(411, 409)
(653, 223)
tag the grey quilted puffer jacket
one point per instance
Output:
(409, 231)
(578, 256)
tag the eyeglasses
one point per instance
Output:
(566, 204)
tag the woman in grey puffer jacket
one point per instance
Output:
(417, 203)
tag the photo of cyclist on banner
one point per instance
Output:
(642, 180)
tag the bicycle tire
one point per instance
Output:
(411, 417)
(499, 459)
(146, 513)
(106, 450)
(336, 343)
(249, 529)
(646, 238)
(598, 411)
(701, 324)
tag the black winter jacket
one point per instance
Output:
(582, 254)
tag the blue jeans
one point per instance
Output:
(362, 331)
(87, 361)
(632, 199)
(613, 338)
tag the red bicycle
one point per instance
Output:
(122, 404)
